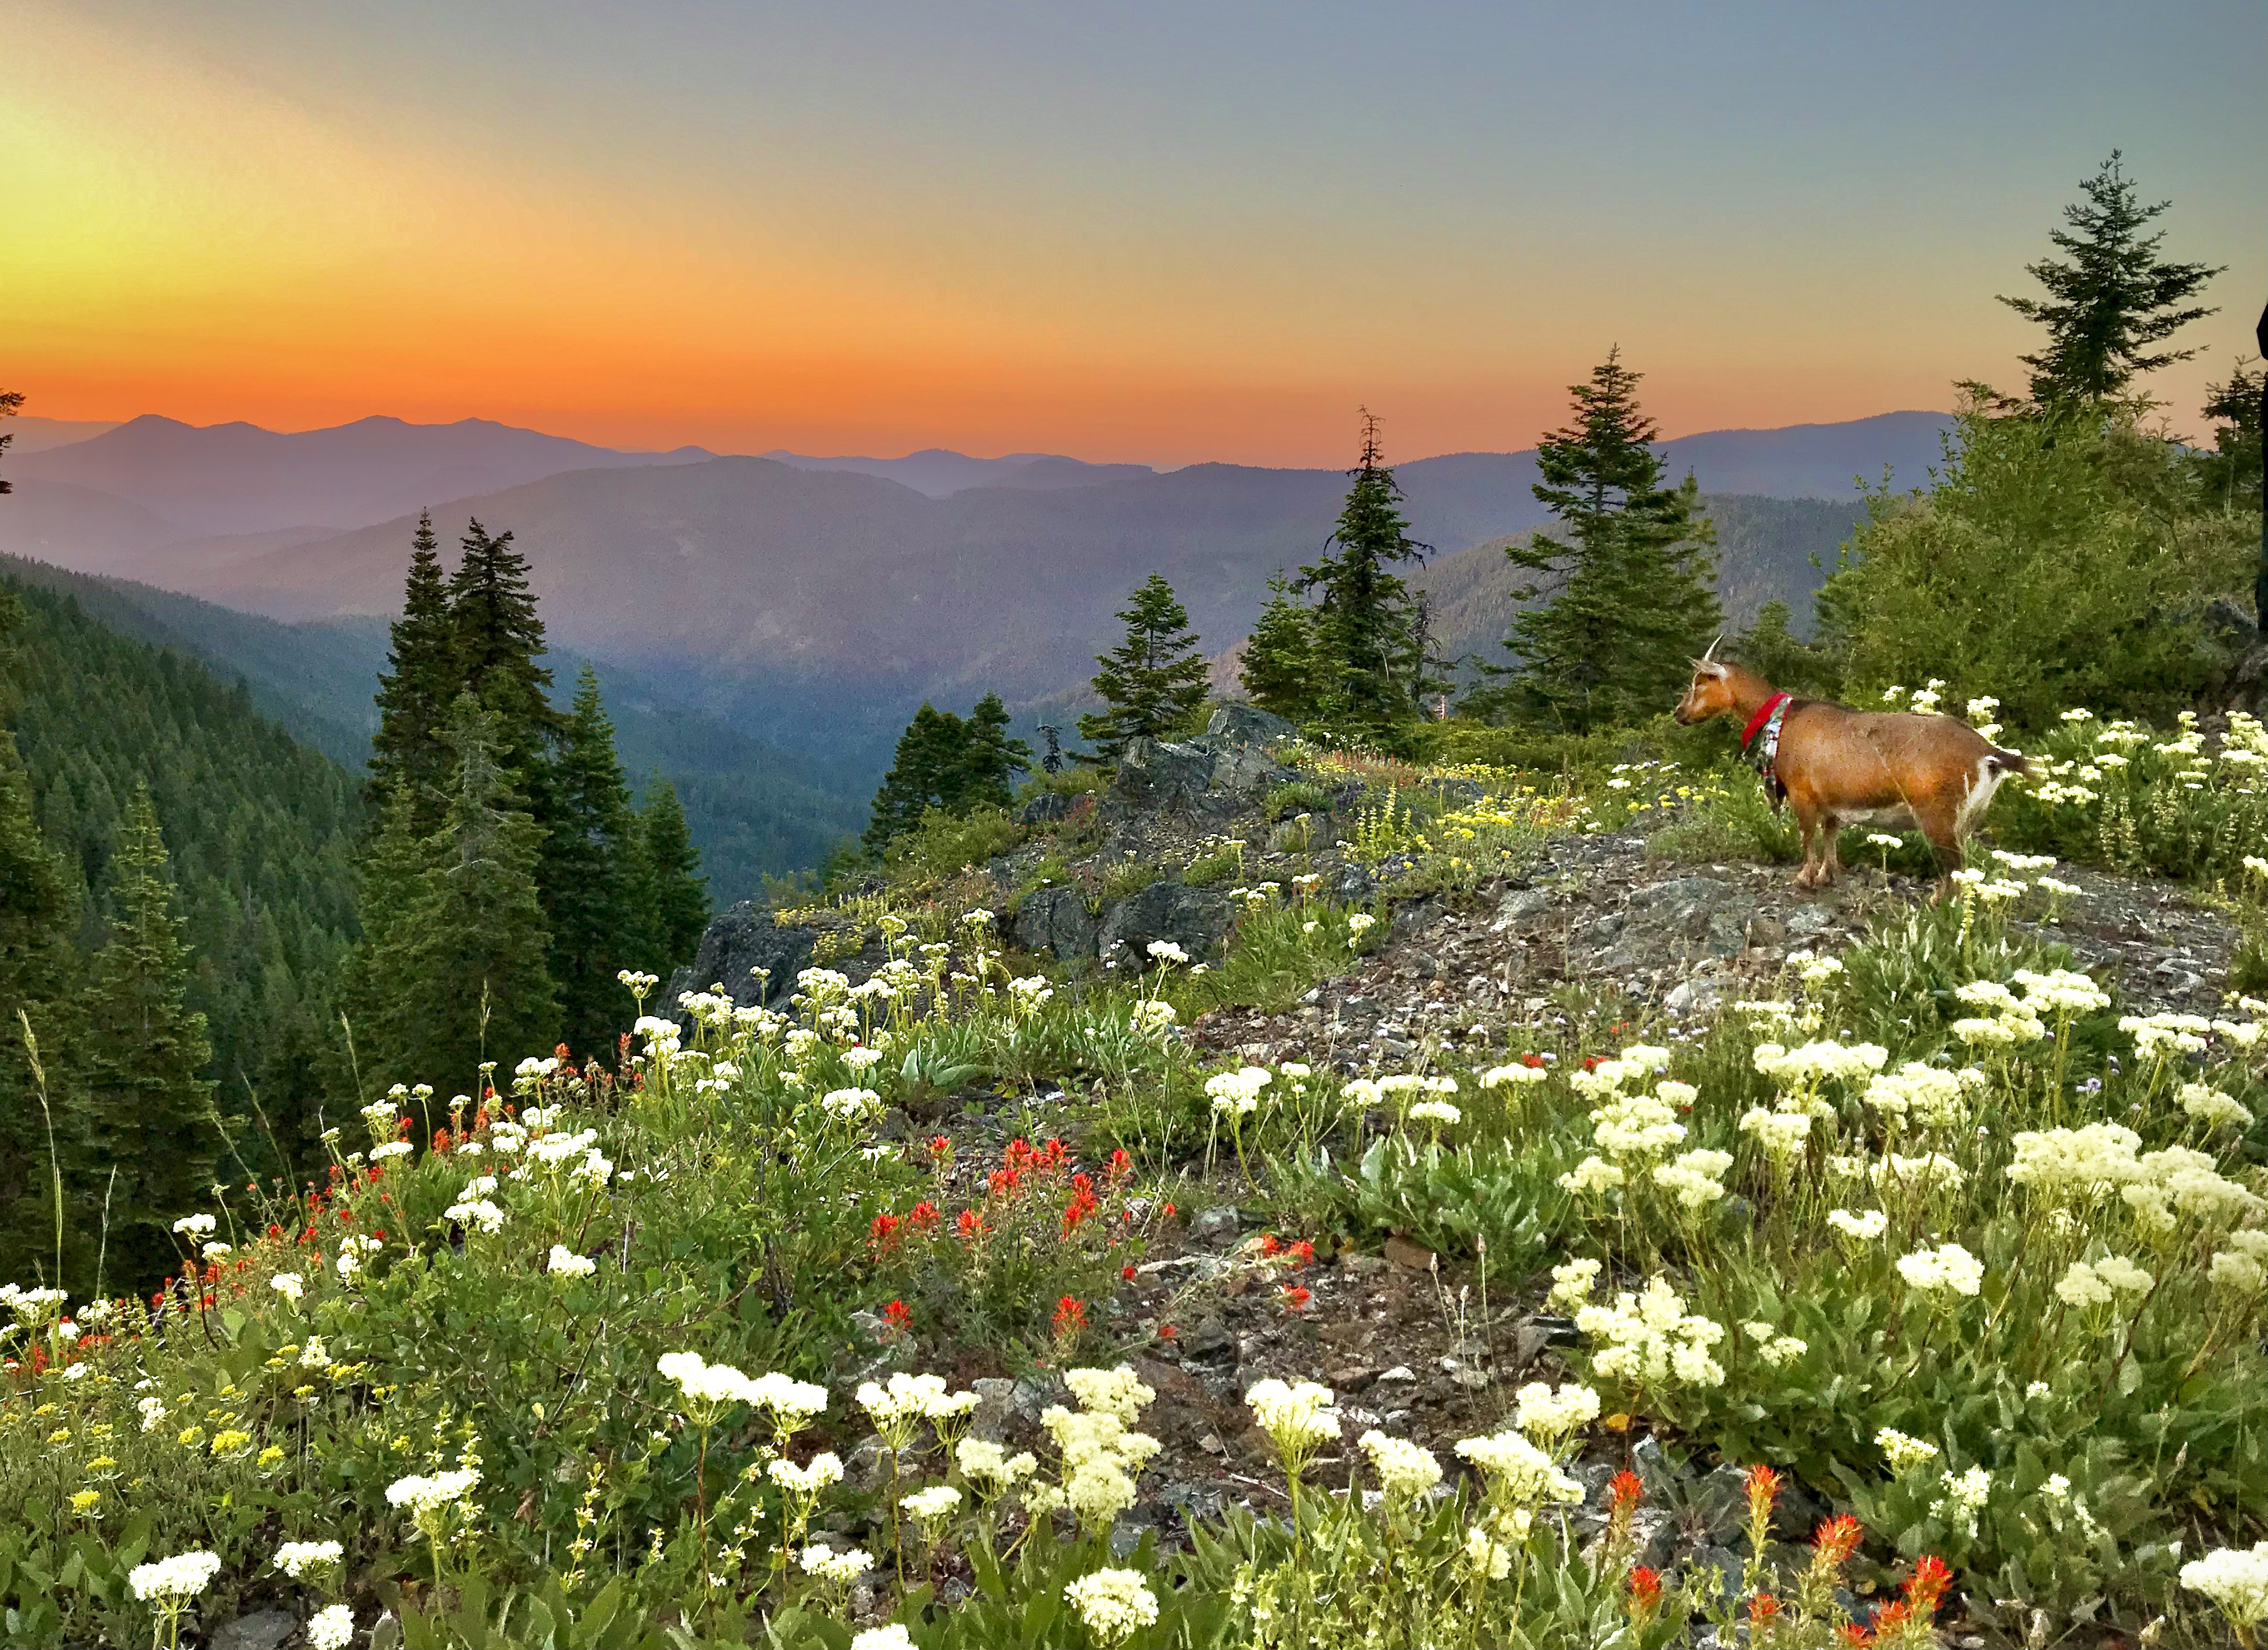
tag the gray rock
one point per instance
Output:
(1218, 1226)
(1695, 996)
(1157, 776)
(1355, 885)
(263, 1630)
(1195, 1502)
(1520, 904)
(1034, 1394)
(1727, 935)
(1681, 905)
(1209, 1341)
(995, 1402)
(1043, 808)
(2231, 626)
(1056, 920)
(867, 1467)
(1245, 773)
(1805, 920)
(737, 941)
(1193, 918)
(1240, 724)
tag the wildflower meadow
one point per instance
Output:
(1952, 1267)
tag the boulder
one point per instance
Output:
(737, 941)
(1056, 920)
(1194, 919)
(1044, 809)
(1241, 724)
(1246, 773)
(1214, 775)
(1673, 921)
(1163, 777)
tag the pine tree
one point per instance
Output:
(2231, 471)
(499, 639)
(984, 775)
(1153, 680)
(464, 962)
(148, 1112)
(2111, 300)
(590, 864)
(408, 756)
(673, 896)
(1279, 671)
(929, 754)
(1365, 629)
(1632, 599)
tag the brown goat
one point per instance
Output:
(1838, 766)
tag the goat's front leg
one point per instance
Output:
(1806, 823)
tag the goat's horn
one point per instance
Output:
(1712, 653)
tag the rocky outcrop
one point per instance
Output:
(737, 941)
(1222, 774)
(1056, 920)
(1224, 771)
(1681, 918)
(1194, 919)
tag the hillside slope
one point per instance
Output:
(259, 826)
(754, 808)
(1765, 550)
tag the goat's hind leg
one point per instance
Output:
(1940, 828)
(1831, 845)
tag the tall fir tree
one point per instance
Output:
(591, 862)
(465, 959)
(1279, 670)
(673, 896)
(408, 757)
(984, 775)
(1367, 652)
(2111, 299)
(1153, 680)
(499, 647)
(1628, 588)
(148, 1113)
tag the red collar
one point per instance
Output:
(1762, 716)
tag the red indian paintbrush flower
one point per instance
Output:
(1836, 1539)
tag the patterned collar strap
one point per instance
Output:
(1769, 711)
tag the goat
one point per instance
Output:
(1838, 766)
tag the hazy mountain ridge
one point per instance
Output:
(240, 478)
(817, 603)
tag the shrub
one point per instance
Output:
(2060, 560)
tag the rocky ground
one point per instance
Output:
(1403, 1337)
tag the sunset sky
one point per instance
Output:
(1164, 231)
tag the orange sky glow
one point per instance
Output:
(235, 223)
